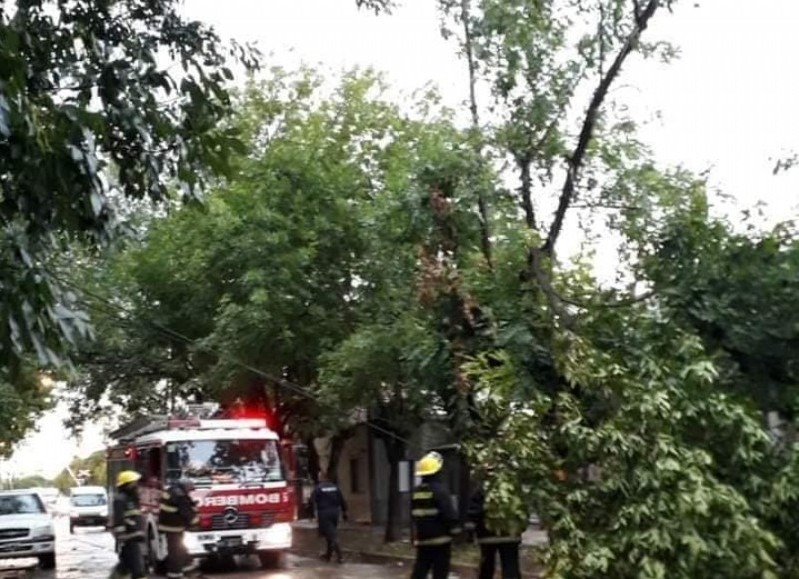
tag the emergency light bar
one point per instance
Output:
(144, 426)
(223, 424)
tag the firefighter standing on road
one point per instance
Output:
(504, 543)
(328, 502)
(176, 514)
(127, 526)
(435, 520)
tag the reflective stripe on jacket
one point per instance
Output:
(176, 512)
(433, 515)
(475, 518)
(127, 521)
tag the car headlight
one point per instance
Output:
(39, 531)
(190, 541)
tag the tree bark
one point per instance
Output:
(464, 486)
(337, 444)
(482, 204)
(395, 452)
(313, 459)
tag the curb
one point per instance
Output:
(385, 559)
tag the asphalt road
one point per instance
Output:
(88, 554)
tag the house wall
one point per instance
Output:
(353, 472)
(364, 470)
(353, 476)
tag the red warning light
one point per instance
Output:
(130, 453)
(242, 412)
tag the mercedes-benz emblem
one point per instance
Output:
(231, 515)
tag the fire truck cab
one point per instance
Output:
(243, 498)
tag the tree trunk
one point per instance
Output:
(313, 459)
(337, 444)
(464, 486)
(395, 452)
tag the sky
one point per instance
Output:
(728, 105)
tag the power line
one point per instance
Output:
(114, 310)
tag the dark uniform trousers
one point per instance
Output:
(131, 560)
(508, 555)
(177, 557)
(328, 528)
(433, 558)
(127, 529)
(176, 513)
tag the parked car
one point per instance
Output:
(26, 528)
(88, 507)
(50, 497)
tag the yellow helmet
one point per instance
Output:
(429, 464)
(127, 477)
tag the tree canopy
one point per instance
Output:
(372, 258)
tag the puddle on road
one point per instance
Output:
(89, 554)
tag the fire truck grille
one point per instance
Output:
(267, 519)
(218, 522)
(13, 534)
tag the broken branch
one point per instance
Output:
(577, 158)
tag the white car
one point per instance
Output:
(88, 507)
(50, 497)
(26, 528)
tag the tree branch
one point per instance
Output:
(614, 304)
(525, 192)
(482, 205)
(577, 158)
(556, 303)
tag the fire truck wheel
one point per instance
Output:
(272, 559)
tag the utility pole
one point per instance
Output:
(75, 478)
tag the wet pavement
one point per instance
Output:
(88, 554)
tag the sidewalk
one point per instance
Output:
(366, 544)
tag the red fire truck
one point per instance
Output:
(245, 503)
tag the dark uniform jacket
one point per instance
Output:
(327, 498)
(128, 523)
(433, 515)
(475, 519)
(177, 512)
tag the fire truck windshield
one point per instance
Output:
(207, 462)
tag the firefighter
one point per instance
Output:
(328, 503)
(504, 543)
(127, 525)
(435, 520)
(176, 514)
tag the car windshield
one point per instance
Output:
(224, 461)
(88, 500)
(20, 505)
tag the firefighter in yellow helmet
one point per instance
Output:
(435, 520)
(127, 525)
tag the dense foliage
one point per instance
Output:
(366, 259)
(100, 102)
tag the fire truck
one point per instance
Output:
(240, 472)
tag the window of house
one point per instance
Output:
(355, 479)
